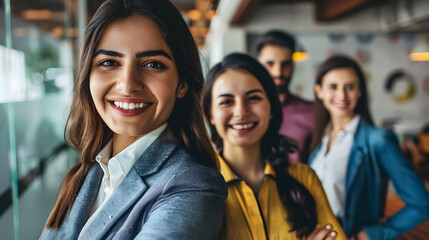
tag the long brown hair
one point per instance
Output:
(321, 115)
(86, 131)
(297, 200)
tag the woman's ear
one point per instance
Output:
(182, 89)
(318, 91)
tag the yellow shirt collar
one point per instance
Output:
(229, 175)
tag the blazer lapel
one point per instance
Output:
(132, 187)
(157, 153)
(84, 201)
(313, 154)
(128, 192)
(357, 154)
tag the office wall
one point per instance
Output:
(361, 36)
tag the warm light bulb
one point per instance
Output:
(421, 56)
(42, 14)
(194, 14)
(420, 51)
(299, 56)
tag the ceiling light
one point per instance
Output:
(194, 14)
(420, 51)
(37, 14)
(300, 54)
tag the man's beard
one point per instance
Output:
(283, 88)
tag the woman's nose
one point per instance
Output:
(342, 93)
(130, 81)
(241, 109)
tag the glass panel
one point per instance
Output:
(2, 25)
(4, 126)
(10, 194)
(42, 78)
(36, 79)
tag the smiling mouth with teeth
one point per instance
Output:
(243, 126)
(130, 106)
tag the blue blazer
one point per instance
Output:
(374, 157)
(166, 195)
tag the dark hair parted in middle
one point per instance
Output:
(320, 112)
(87, 132)
(296, 199)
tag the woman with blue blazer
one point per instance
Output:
(354, 159)
(147, 168)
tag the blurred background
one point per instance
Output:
(39, 41)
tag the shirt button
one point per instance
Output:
(110, 216)
(106, 189)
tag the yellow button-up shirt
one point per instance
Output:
(248, 216)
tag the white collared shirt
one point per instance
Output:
(331, 167)
(116, 168)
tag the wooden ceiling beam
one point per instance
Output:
(327, 10)
(244, 11)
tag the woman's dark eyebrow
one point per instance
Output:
(138, 55)
(108, 53)
(153, 53)
(225, 95)
(247, 93)
(253, 91)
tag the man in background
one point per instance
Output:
(275, 50)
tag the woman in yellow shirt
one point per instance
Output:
(268, 198)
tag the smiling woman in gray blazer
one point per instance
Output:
(147, 168)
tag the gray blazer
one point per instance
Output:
(166, 195)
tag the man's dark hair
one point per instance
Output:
(278, 38)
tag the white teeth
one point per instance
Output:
(130, 106)
(242, 126)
